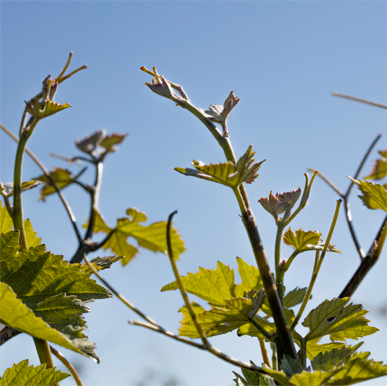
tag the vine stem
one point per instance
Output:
(68, 365)
(359, 100)
(181, 285)
(317, 265)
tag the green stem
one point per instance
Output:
(261, 329)
(265, 357)
(279, 273)
(43, 349)
(69, 366)
(17, 183)
(181, 285)
(317, 266)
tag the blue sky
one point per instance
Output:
(283, 59)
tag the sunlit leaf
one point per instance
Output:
(62, 178)
(152, 237)
(218, 321)
(339, 321)
(379, 169)
(249, 329)
(358, 369)
(313, 348)
(16, 314)
(22, 375)
(226, 173)
(35, 108)
(374, 195)
(51, 287)
(303, 241)
(294, 297)
(7, 187)
(109, 141)
(31, 235)
(327, 360)
(6, 223)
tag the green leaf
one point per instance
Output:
(6, 189)
(253, 378)
(152, 237)
(358, 369)
(374, 195)
(16, 314)
(339, 321)
(294, 297)
(226, 173)
(313, 348)
(23, 375)
(35, 108)
(327, 360)
(100, 263)
(215, 286)
(6, 223)
(290, 366)
(32, 240)
(303, 241)
(379, 169)
(62, 178)
(51, 287)
(109, 141)
(279, 376)
(218, 321)
(249, 329)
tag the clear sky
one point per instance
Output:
(283, 59)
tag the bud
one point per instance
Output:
(49, 90)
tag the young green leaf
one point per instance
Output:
(379, 169)
(249, 329)
(294, 297)
(31, 235)
(22, 374)
(6, 223)
(339, 321)
(226, 174)
(374, 195)
(217, 285)
(303, 241)
(290, 366)
(152, 237)
(89, 144)
(218, 321)
(6, 189)
(49, 108)
(62, 178)
(313, 348)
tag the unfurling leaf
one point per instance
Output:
(303, 241)
(338, 320)
(89, 144)
(36, 109)
(62, 178)
(226, 174)
(290, 366)
(280, 203)
(22, 374)
(7, 187)
(374, 195)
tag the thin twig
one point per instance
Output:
(337, 190)
(68, 365)
(181, 285)
(119, 296)
(213, 350)
(52, 182)
(367, 263)
(359, 100)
